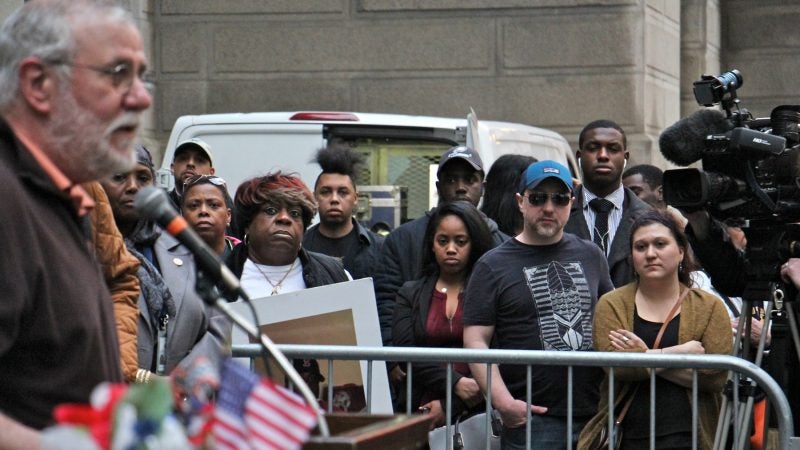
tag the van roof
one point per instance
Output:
(324, 117)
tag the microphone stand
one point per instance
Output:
(208, 292)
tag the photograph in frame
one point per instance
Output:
(337, 314)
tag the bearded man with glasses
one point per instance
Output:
(537, 291)
(64, 122)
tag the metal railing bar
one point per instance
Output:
(695, 406)
(652, 410)
(409, 374)
(553, 358)
(528, 401)
(569, 407)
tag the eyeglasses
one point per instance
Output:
(538, 198)
(122, 75)
(200, 179)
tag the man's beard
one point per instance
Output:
(81, 146)
(546, 231)
(334, 222)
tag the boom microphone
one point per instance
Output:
(683, 143)
(152, 203)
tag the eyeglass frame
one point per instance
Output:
(542, 197)
(124, 86)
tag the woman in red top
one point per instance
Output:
(428, 311)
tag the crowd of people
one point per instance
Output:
(93, 292)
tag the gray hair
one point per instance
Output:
(45, 29)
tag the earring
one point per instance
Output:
(246, 239)
(680, 266)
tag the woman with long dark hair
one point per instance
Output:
(629, 319)
(428, 311)
(499, 197)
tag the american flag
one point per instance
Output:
(255, 413)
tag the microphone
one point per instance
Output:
(683, 142)
(152, 203)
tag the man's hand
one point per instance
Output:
(397, 375)
(790, 272)
(467, 389)
(756, 327)
(700, 222)
(515, 414)
(434, 408)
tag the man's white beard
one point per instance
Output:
(81, 146)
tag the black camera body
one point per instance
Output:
(751, 170)
(750, 176)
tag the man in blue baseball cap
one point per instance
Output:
(537, 292)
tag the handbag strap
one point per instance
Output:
(670, 316)
(656, 344)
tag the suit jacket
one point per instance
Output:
(619, 263)
(196, 330)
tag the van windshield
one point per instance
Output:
(405, 163)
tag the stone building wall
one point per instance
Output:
(557, 64)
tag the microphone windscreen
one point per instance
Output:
(684, 142)
(150, 202)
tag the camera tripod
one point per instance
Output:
(737, 404)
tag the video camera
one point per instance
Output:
(750, 176)
(751, 166)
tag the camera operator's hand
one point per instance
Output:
(700, 222)
(756, 327)
(790, 271)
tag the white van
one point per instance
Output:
(400, 150)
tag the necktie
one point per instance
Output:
(601, 209)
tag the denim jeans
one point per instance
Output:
(547, 433)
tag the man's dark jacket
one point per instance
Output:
(619, 256)
(58, 337)
(360, 262)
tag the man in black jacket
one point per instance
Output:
(460, 177)
(338, 233)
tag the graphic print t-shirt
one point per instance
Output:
(542, 298)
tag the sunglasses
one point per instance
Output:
(196, 179)
(538, 198)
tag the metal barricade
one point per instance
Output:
(374, 355)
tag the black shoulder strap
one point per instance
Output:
(729, 303)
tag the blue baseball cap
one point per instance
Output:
(542, 170)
